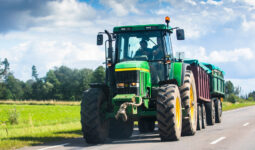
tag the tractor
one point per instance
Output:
(144, 83)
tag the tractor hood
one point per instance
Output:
(132, 65)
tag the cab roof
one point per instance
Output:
(141, 27)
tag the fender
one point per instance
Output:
(178, 70)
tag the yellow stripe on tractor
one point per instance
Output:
(132, 69)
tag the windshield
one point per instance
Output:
(140, 46)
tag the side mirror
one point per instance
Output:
(100, 39)
(180, 34)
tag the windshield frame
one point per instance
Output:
(117, 46)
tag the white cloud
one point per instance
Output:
(248, 25)
(219, 56)
(213, 2)
(48, 54)
(251, 3)
(69, 13)
(231, 56)
(191, 2)
(121, 7)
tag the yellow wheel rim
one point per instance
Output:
(178, 112)
(191, 102)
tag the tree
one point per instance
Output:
(4, 67)
(252, 95)
(229, 88)
(34, 73)
(98, 75)
(14, 86)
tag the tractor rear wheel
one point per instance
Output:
(189, 102)
(146, 125)
(218, 110)
(199, 117)
(169, 112)
(93, 122)
(120, 129)
(210, 112)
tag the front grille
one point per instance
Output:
(127, 77)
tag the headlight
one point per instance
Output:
(120, 85)
(134, 84)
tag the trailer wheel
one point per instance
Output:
(189, 102)
(120, 129)
(199, 117)
(169, 113)
(203, 116)
(218, 110)
(94, 126)
(210, 112)
(146, 125)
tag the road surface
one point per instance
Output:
(236, 132)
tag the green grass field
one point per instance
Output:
(42, 122)
(38, 124)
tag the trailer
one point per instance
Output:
(210, 87)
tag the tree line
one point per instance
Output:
(60, 83)
(64, 83)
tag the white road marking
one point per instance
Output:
(246, 124)
(218, 140)
(54, 146)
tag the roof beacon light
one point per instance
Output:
(167, 19)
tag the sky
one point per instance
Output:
(51, 33)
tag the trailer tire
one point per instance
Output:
(146, 125)
(204, 124)
(169, 112)
(210, 112)
(218, 110)
(94, 126)
(199, 117)
(120, 129)
(189, 102)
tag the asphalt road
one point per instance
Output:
(236, 132)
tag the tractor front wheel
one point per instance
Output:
(169, 112)
(93, 122)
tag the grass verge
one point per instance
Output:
(229, 106)
(38, 124)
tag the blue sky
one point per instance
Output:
(49, 33)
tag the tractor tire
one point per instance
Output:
(146, 125)
(94, 126)
(218, 110)
(199, 117)
(120, 129)
(210, 112)
(204, 124)
(189, 102)
(169, 112)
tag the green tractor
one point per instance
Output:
(144, 83)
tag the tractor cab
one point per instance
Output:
(148, 43)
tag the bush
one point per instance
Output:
(13, 116)
(232, 98)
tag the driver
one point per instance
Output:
(144, 50)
